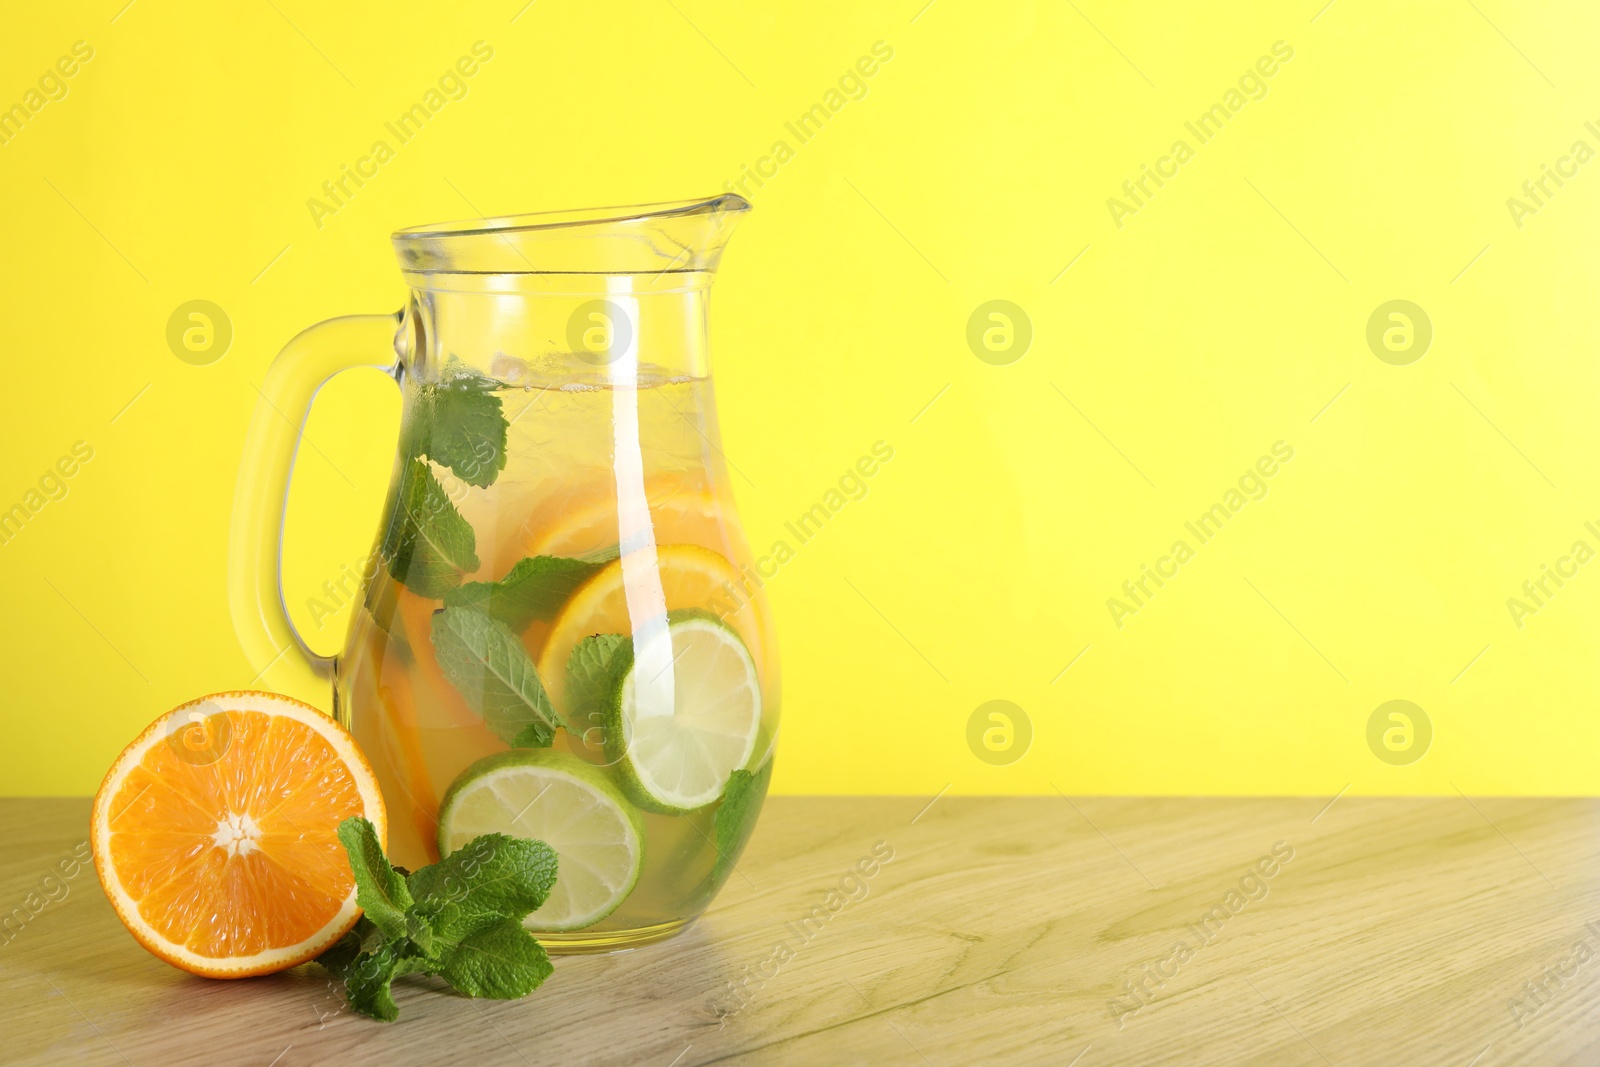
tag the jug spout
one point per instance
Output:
(672, 237)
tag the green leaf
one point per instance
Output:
(533, 589)
(368, 980)
(464, 923)
(367, 983)
(419, 929)
(591, 679)
(339, 957)
(460, 424)
(736, 815)
(500, 960)
(428, 545)
(490, 878)
(490, 667)
(381, 893)
(534, 735)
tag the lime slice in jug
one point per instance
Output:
(673, 749)
(569, 805)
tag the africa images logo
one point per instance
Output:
(1251, 486)
(1252, 85)
(452, 85)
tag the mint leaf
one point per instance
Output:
(419, 930)
(500, 960)
(533, 589)
(381, 893)
(460, 424)
(342, 955)
(367, 984)
(533, 735)
(490, 878)
(490, 667)
(736, 815)
(464, 925)
(591, 678)
(427, 544)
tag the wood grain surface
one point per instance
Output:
(1429, 931)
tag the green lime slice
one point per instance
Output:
(674, 746)
(568, 804)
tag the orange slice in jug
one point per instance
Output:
(680, 511)
(691, 577)
(215, 833)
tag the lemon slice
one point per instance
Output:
(674, 737)
(569, 805)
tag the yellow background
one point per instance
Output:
(1222, 317)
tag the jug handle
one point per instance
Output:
(255, 539)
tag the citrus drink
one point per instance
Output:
(563, 584)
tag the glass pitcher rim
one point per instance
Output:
(667, 238)
(722, 203)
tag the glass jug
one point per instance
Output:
(562, 635)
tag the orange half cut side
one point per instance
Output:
(215, 833)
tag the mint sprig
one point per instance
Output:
(427, 545)
(592, 671)
(492, 670)
(459, 919)
(461, 424)
(533, 589)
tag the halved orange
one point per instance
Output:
(690, 576)
(215, 833)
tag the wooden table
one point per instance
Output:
(1004, 930)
